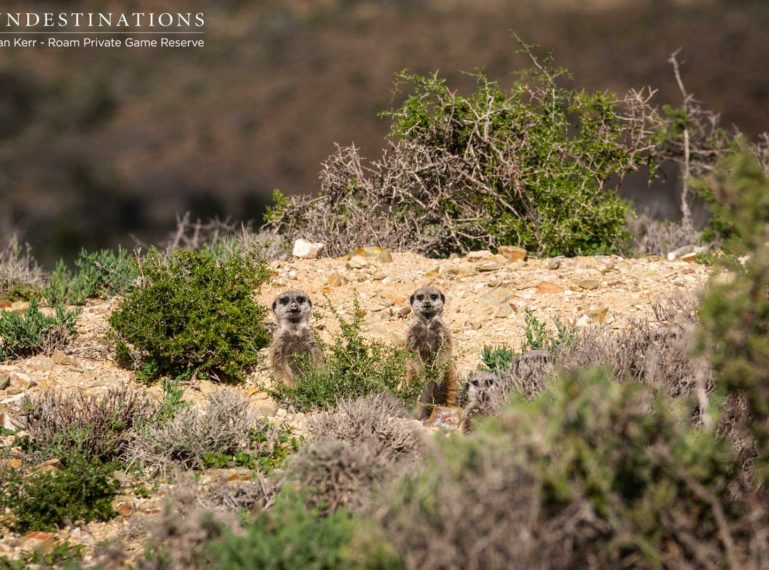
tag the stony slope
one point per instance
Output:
(487, 298)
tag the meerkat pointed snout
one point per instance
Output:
(294, 344)
(430, 340)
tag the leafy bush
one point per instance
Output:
(194, 316)
(64, 556)
(538, 336)
(82, 490)
(593, 473)
(537, 166)
(354, 368)
(224, 434)
(497, 357)
(20, 275)
(100, 274)
(734, 330)
(96, 427)
(34, 332)
(289, 535)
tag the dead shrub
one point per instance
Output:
(19, 272)
(659, 237)
(336, 474)
(377, 420)
(99, 427)
(197, 438)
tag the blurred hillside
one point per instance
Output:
(97, 145)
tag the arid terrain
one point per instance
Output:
(487, 295)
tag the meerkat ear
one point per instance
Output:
(274, 304)
(411, 299)
(443, 297)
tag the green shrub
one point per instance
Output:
(538, 336)
(64, 556)
(289, 535)
(34, 332)
(537, 166)
(734, 330)
(592, 473)
(497, 357)
(82, 490)
(101, 274)
(193, 316)
(354, 367)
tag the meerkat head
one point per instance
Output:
(292, 306)
(427, 302)
(480, 385)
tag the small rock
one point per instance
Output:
(598, 316)
(13, 463)
(554, 264)
(460, 271)
(685, 251)
(489, 266)
(446, 418)
(336, 280)
(379, 276)
(588, 284)
(479, 255)
(513, 253)
(583, 321)
(291, 274)
(403, 312)
(373, 253)
(5, 381)
(357, 262)
(549, 287)
(304, 249)
(43, 542)
(22, 381)
(60, 358)
(434, 272)
(48, 466)
(124, 505)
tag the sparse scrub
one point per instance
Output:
(538, 336)
(659, 237)
(497, 357)
(34, 332)
(98, 274)
(593, 473)
(96, 427)
(531, 167)
(377, 419)
(224, 240)
(194, 316)
(81, 490)
(354, 368)
(224, 434)
(20, 275)
(289, 535)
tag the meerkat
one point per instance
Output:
(430, 341)
(485, 391)
(294, 344)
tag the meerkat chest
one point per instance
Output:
(294, 341)
(427, 340)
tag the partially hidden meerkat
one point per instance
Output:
(294, 344)
(429, 339)
(485, 390)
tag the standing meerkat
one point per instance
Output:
(294, 344)
(430, 340)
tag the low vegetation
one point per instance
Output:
(193, 316)
(100, 274)
(20, 275)
(34, 332)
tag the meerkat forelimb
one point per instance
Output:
(294, 345)
(429, 339)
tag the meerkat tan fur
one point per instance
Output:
(294, 343)
(485, 391)
(429, 339)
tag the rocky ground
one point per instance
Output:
(487, 296)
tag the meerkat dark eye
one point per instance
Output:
(284, 300)
(420, 297)
(434, 297)
(300, 300)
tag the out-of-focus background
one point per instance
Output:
(100, 146)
